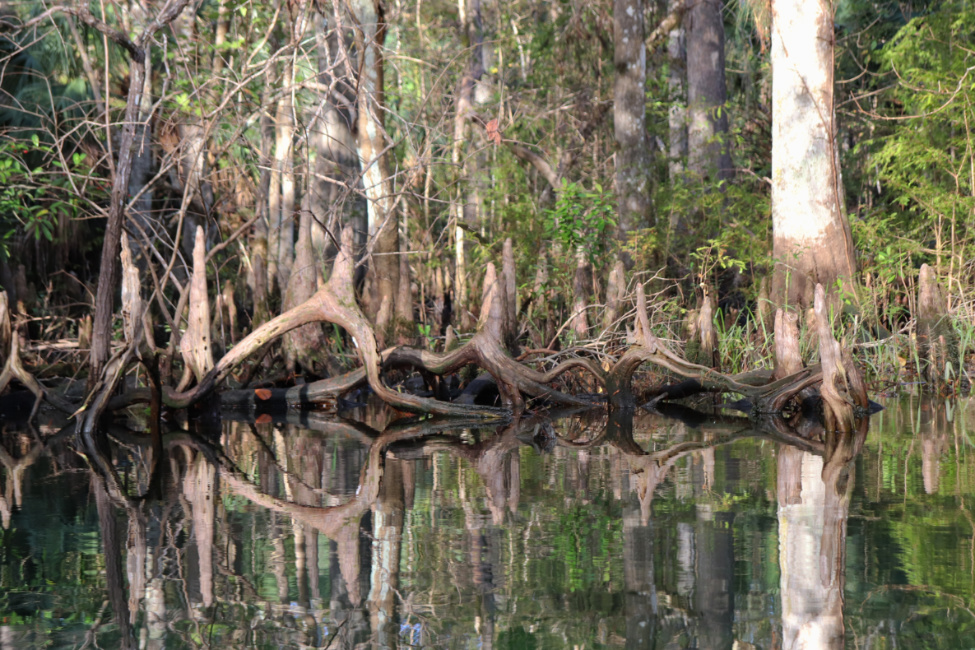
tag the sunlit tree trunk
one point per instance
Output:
(707, 119)
(281, 196)
(466, 204)
(811, 240)
(384, 273)
(629, 116)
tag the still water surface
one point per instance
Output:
(579, 533)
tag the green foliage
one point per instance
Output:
(582, 219)
(20, 205)
(925, 162)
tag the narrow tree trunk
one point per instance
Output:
(677, 56)
(306, 345)
(109, 267)
(370, 36)
(615, 293)
(510, 286)
(629, 117)
(142, 163)
(707, 117)
(281, 197)
(259, 274)
(811, 240)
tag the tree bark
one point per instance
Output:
(259, 274)
(383, 273)
(472, 38)
(707, 117)
(811, 240)
(281, 196)
(305, 346)
(629, 117)
(142, 162)
(677, 59)
(195, 344)
(332, 200)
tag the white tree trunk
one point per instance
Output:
(811, 235)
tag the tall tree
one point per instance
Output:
(466, 206)
(629, 116)
(811, 239)
(384, 267)
(707, 118)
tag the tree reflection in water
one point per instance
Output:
(314, 532)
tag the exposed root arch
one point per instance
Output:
(335, 303)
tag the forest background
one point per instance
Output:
(614, 144)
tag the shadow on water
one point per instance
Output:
(654, 530)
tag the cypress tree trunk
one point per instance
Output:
(383, 274)
(629, 116)
(811, 240)
(707, 119)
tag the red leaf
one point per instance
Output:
(263, 418)
(493, 133)
(262, 393)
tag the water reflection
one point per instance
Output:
(695, 530)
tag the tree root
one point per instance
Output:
(13, 367)
(334, 302)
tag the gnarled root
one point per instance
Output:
(334, 302)
(766, 398)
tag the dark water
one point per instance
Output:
(581, 533)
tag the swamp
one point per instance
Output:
(487, 324)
